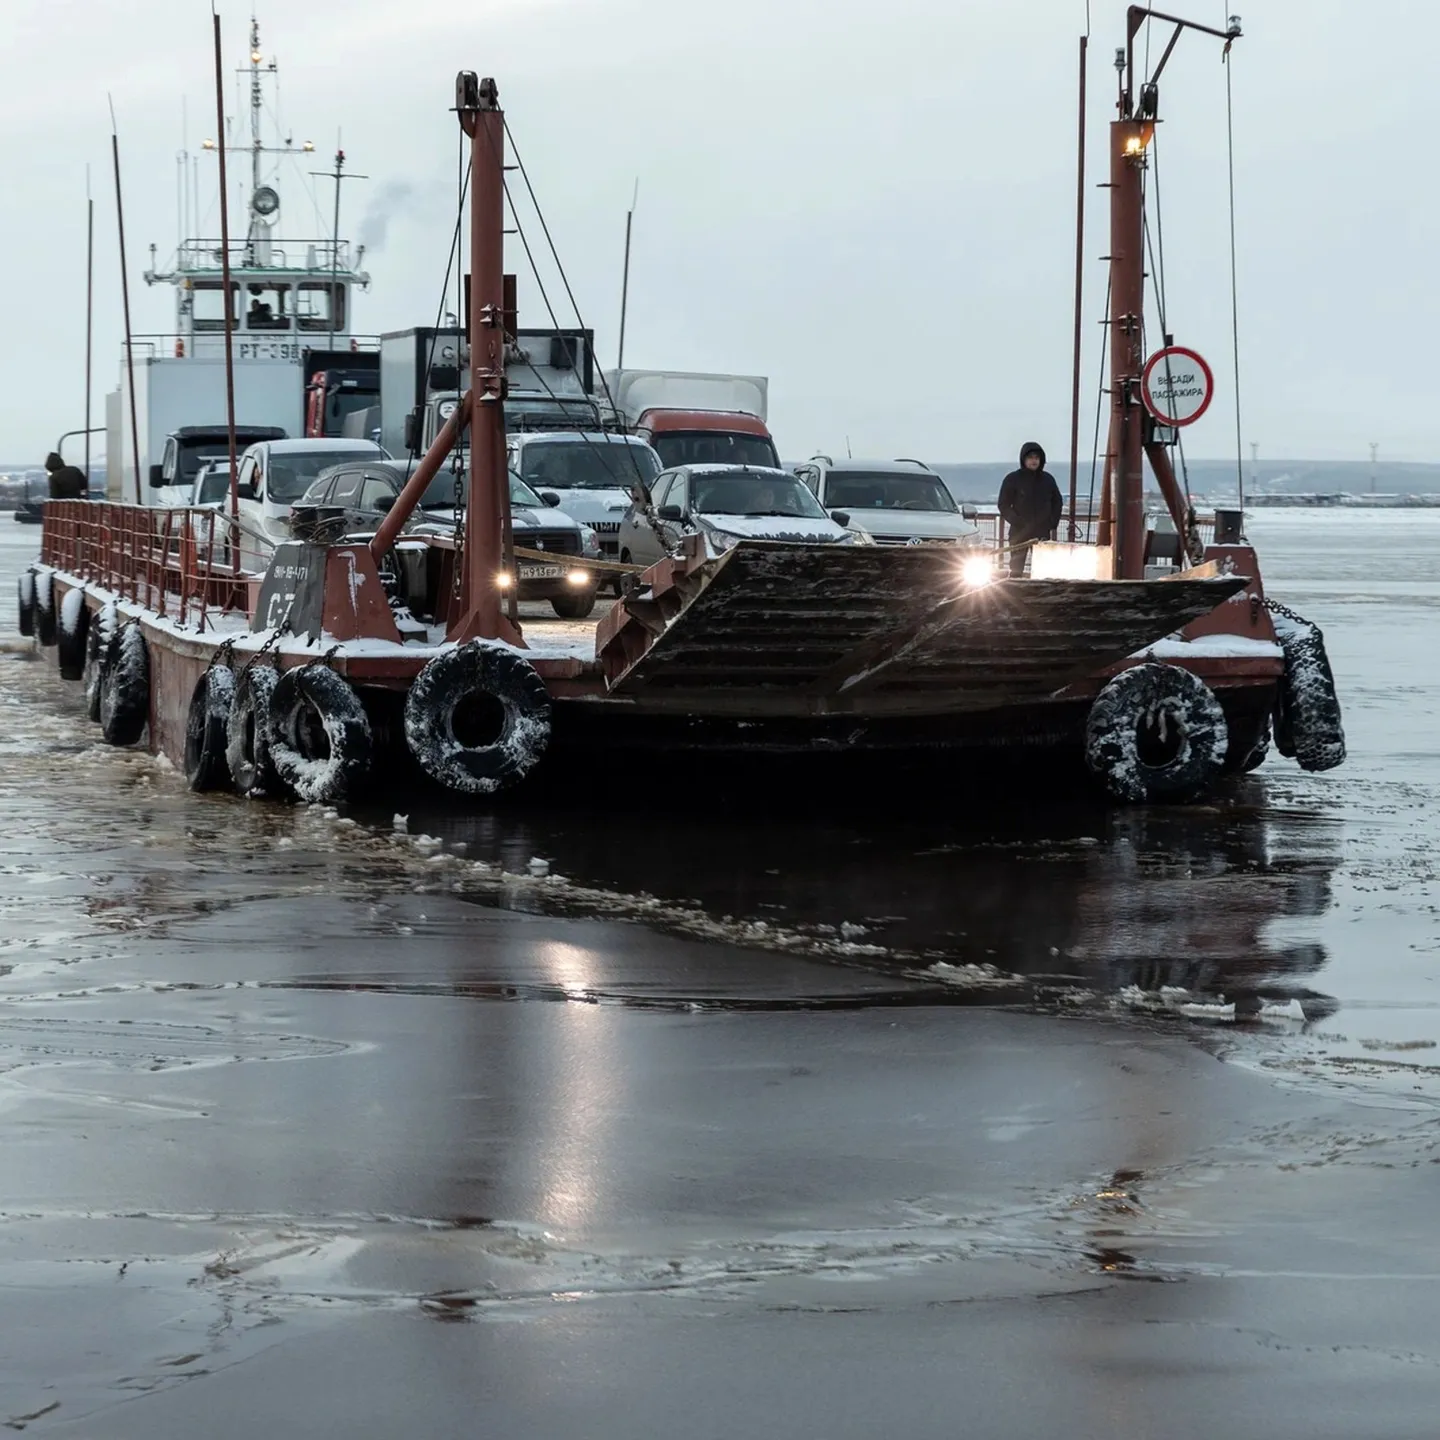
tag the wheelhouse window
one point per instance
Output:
(320, 306)
(207, 307)
(267, 307)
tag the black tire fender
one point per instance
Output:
(205, 730)
(247, 744)
(45, 627)
(25, 610)
(503, 680)
(125, 687)
(319, 734)
(575, 606)
(1308, 725)
(71, 640)
(1160, 701)
(100, 632)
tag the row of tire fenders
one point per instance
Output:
(478, 717)
(1158, 732)
(302, 731)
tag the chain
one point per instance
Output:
(271, 643)
(1276, 608)
(224, 655)
(329, 655)
(457, 576)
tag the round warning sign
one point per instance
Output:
(1177, 385)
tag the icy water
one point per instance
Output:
(756, 1114)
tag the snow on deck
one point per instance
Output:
(1211, 647)
(546, 636)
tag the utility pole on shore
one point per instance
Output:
(1374, 451)
(1254, 464)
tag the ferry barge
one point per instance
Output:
(303, 677)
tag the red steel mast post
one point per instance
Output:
(480, 614)
(1128, 139)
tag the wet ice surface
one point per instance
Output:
(751, 1121)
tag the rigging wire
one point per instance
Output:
(544, 296)
(444, 296)
(1157, 275)
(1234, 282)
(1099, 406)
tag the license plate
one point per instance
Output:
(542, 572)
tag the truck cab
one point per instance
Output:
(707, 437)
(594, 474)
(696, 418)
(190, 448)
(337, 386)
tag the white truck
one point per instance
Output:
(696, 418)
(174, 395)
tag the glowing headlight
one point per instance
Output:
(577, 577)
(504, 580)
(977, 570)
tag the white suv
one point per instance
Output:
(897, 502)
(275, 474)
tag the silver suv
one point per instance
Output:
(897, 502)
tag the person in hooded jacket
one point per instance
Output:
(1030, 504)
(67, 482)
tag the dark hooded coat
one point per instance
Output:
(1030, 502)
(67, 482)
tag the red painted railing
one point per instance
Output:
(176, 562)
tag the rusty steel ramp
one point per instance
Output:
(778, 628)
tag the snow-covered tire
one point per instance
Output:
(319, 736)
(205, 730)
(503, 714)
(45, 626)
(74, 629)
(1156, 732)
(125, 687)
(247, 744)
(101, 630)
(1308, 726)
(25, 612)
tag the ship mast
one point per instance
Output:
(1130, 136)
(257, 103)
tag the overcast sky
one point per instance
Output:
(871, 204)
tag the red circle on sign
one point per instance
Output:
(1158, 358)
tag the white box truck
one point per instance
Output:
(692, 418)
(172, 395)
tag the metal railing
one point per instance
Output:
(213, 341)
(321, 257)
(990, 525)
(177, 562)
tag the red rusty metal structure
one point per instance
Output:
(480, 615)
(161, 557)
(1123, 495)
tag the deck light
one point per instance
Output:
(977, 571)
(256, 57)
(207, 144)
(1139, 139)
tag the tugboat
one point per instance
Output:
(306, 678)
(288, 320)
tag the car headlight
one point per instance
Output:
(858, 537)
(723, 539)
(589, 542)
